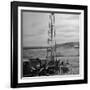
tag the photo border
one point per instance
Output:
(14, 43)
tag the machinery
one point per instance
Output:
(51, 50)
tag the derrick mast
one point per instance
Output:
(51, 50)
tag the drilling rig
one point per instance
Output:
(51, 50)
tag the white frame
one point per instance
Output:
(56, 77)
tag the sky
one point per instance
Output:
(36, 25)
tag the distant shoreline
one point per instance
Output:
(69, 44)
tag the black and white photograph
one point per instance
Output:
(50, 44)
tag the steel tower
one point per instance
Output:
(51, 50)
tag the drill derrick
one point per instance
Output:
(51, 50)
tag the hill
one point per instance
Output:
(65, 45)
